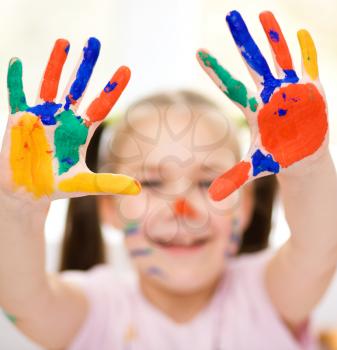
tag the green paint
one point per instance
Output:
(17, 98)
(236, 91)
(69, 136)
(253, 104)
(10, 317)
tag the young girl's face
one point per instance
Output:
(175, 234)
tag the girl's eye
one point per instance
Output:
(205, 183)
(151, 183)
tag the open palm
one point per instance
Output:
(44, 146)
(287, 115)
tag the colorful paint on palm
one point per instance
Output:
(288, 115)
(50, 130)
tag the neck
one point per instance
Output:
(179, 306)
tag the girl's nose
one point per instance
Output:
(182, 207)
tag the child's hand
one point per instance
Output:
(44, 147)
(288, 115)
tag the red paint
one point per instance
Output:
(279, 47)
(183, 208)
(53, 71)
(231, 180)
(301, 131)
(102, 105)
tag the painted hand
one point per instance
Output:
(44, 147)
(287, 116)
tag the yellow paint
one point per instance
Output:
(100, 183)
(30, 156)
(309, 54)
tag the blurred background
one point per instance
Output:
(157, 40)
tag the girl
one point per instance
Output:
(190, 292)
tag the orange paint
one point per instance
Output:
(279, 46)
(102, 105)
(301, 129)
(183, 208)
(231, 180)
(53, 70)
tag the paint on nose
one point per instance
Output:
(183, 208)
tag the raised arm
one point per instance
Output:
(289, 128)
(43, 158)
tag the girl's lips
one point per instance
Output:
(182, 248)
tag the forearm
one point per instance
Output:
(301, 270)
(22, 254)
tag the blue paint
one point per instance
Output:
(131, 228)
(90, 55)
(110, 86)
(254, 58)
(235, 237)
(154, 270)
(247, 45)
(140, 252)
(46, 111)
(67, 49)
(284, 96)
(282, 112)
(262, 163)
(68, 160)
(274, 36)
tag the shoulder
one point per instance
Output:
(109, 295)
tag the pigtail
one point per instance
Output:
(256, 236)
(83, 244)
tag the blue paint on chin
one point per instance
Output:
(254, 58)
(262, 163)
(110, 86)
(282, 112)
(90, 55)
(67, 49)
(46, 111)
(274, 36)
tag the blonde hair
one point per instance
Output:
(111, 138)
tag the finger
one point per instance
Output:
(31, 157)
(282, 57)
(83, 74)
(52, 74)
(257, 165)
(101, 106)
(309, 54)
(257, 64)
(231, 87)
(92, 183)
(17, 98)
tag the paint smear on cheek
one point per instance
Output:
(31, 156)
(69, 136)
(131, 228)
(140, 252)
